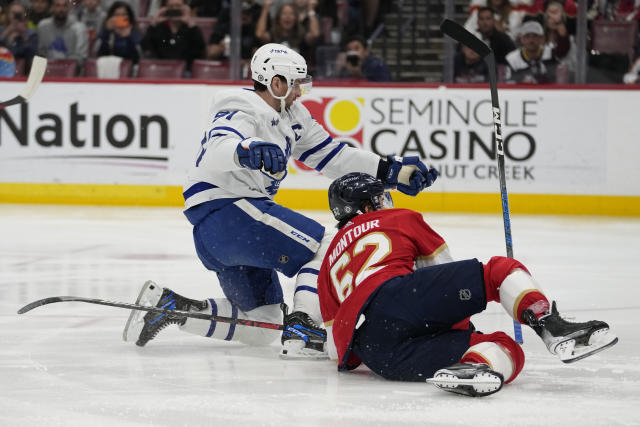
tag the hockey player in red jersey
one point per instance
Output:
(392, 298)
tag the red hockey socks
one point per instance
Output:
(508, 282)
(497, 350)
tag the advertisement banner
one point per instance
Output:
(547, 150)
(103, 134)
(556, 141)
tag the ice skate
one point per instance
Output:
(570, 341)
(143, 326)
(469, 379)
(302, 338)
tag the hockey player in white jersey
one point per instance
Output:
(240, 233)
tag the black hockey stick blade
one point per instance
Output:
(460, 34)
(18, 99)
(180, 313)
(38, 68)
(42, 302)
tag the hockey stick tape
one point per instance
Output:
(278, 175)
(404, 176)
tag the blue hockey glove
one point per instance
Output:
(430, 177)
(409, 175)
(253, 154)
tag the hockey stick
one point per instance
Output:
(461, 35)
(180, 313)
(38, 68)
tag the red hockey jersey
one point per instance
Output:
(369, 250)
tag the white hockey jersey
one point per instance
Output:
(238, 114)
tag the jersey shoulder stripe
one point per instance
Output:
(329, 156)
(229, 129)
(196, 188)
(315, 149)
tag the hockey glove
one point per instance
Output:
(409, 175)
(253, 154)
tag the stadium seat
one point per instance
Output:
(161, 69)
(65, 68)
(91, 68)
(206, 25)
(210, 70)
(614, 37)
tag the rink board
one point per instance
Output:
(138, 195)
(114, 143)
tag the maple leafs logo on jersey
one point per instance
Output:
(295, 128)
(273, 188)
(287, 151)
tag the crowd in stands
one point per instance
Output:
(195, 33)
(534, 40)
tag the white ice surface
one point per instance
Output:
(66, 364)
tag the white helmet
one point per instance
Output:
(274, 59)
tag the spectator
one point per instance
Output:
(558, 39)
(92, 15)
(135, 5)
(61, 36)
(289, 30)
(309, 20)
(199, 8)
(357, 62)
(39, 10)
(507, 17)
(218, 43)
(633, 76)
(16, 36)
(534, 62)
(173, 34)
(306, 9)
(155, 6)
(3, 13)
(537, 12)
(328, 9)
(365, 15)
(208, 8)
(628, 10)
(120, 35)
(7, 63)
(500, 42)
(469, 67)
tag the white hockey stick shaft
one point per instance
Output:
(38, 69)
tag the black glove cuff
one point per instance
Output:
(383, 168)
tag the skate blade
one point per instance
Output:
(135, 323)
(598, 341)
(294, 350)
(482, 384)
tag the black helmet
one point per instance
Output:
(349, 194)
